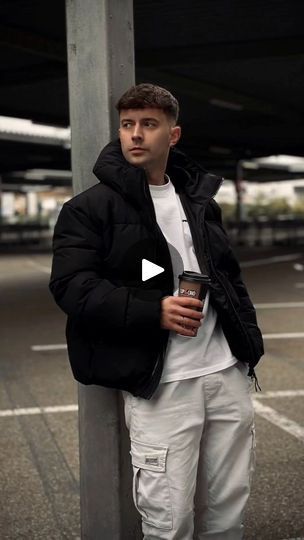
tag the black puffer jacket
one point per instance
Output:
(113, 329)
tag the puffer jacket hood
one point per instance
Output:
(113, 169)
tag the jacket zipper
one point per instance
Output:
(200, 253)
(229, 297)
(195, 239)
(204, 265)
(251, 372)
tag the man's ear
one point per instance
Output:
(175, 135)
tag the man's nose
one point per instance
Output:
(137, 132)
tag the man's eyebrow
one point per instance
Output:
(150, 118)
(142, 119)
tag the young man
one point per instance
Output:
(187, 401)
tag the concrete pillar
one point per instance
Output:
(7, 205)
(100, 47)
(31, 204)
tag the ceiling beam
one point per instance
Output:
(223, 51)
(204, 91)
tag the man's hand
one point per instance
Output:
(181, 314)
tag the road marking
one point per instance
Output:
(74, 408)
(299, 285)
(38, 410)
(55, 347)
(266, 412)
(38, 266)
(279, 393)
(63, 346)
(279, 305)
(271, 260)
(298, 538)
(279, 420)
(287, 335)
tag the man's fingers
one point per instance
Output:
(181, 314)
(183, 301)
(188, 321)
(189, 302)
(191, 313)
(184, 329)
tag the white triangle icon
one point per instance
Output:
(149, 269)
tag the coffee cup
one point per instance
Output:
(193, 285)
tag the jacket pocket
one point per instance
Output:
(151, 493)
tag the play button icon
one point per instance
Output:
(149, 269)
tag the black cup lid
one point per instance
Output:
(188, 275)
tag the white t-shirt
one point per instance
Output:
(209, 351)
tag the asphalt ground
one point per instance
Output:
(39, 478)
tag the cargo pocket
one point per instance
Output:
(151, 493)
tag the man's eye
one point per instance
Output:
(150, 124)
(126, 125)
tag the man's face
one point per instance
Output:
(146, 136)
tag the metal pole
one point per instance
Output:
(100, 47)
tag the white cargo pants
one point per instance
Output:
(192, 448)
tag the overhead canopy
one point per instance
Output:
(236, 67)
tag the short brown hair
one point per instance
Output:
(146, 95)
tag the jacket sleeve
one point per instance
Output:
(77, 281)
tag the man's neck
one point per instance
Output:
(157, 179)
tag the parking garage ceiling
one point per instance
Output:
(236, 67)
